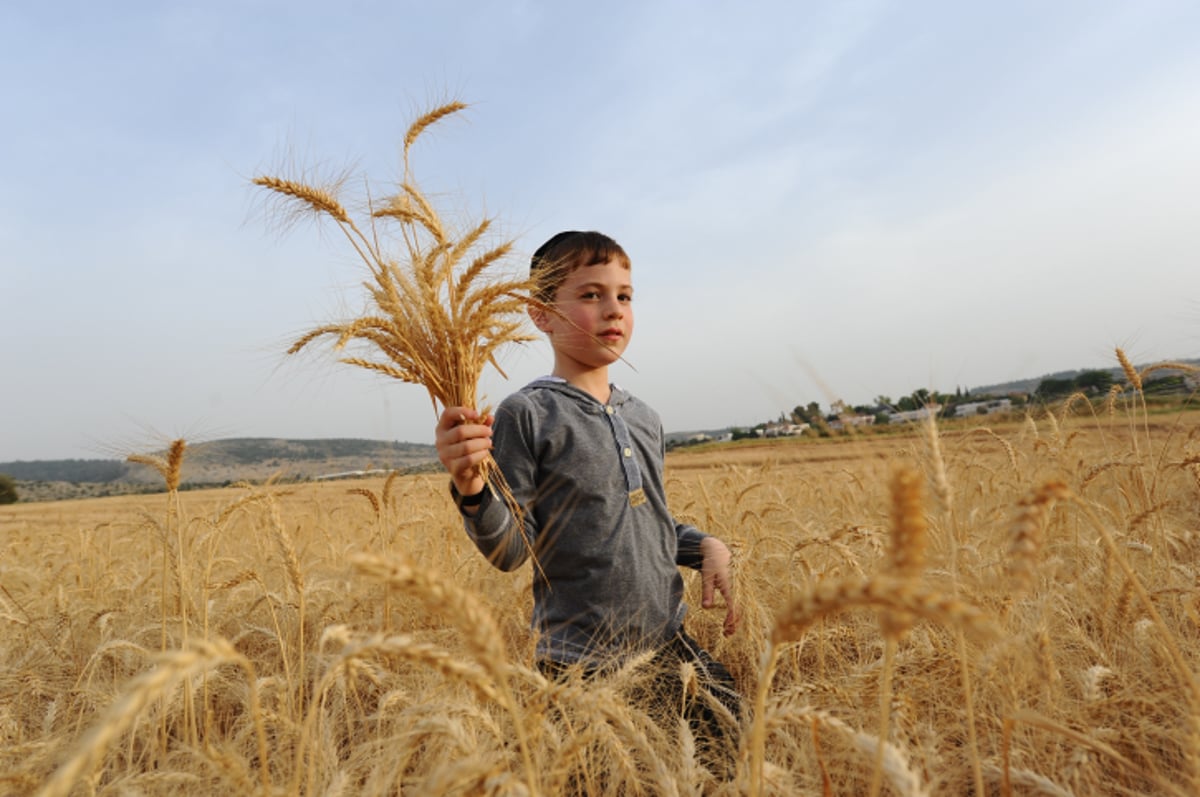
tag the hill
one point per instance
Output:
(256, 459)
(1030, 385)
(252, 459)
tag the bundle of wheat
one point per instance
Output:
(441, 309)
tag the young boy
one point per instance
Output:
(584, 459)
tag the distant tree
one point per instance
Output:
(8, 489)
(1050, 388)
(1167, 384)
(1094, 381)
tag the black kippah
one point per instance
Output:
(536, 261)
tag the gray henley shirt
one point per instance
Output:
(590, 479)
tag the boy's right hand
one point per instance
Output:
(464, 439)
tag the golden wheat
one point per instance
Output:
(1025, 540)
(1131, 373)
(440, 320)
(438, 696)
(442, 316)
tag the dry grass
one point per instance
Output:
(323, 639)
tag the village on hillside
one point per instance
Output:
(921, 404)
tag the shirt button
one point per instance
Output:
(628, 452)
(608, 409)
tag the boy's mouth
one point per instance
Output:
(611, 335)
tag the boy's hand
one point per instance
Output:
(716, 576)
(463, 440)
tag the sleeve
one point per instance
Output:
(687, 551)
(687, 536)
(493, 528)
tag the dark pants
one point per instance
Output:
(716, 732)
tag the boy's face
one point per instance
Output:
(595, 316)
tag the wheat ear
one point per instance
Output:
(1026, 538)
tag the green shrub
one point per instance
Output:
(8, 489)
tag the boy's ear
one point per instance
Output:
(541, 318)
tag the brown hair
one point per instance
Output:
(567, 251)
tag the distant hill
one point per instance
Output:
(218, 462)
(1030, 385)
(255, 459)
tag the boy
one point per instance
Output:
(585, 461)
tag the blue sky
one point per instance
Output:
(821, 200)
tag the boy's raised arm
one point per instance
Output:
(463, 439)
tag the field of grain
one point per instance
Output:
(964, 610)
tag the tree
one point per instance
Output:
(1094, 381)
(8, 489)
(1050, 388)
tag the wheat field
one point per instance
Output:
(964, 609)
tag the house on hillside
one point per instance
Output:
(915, 415)
(983, 407)
(778, 429)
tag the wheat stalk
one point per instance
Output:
(905, 561)
(908, 540)
(170, 468)
(442, 317)
(1166, 366)
(1131, 373)
(1026, 538)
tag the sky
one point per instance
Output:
(821, 200)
